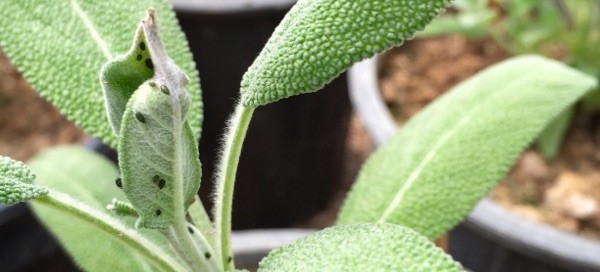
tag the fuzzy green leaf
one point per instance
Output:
(15, 182)
(61, 45)
(123, 75)
(91, 179)
(158, 156)
(15, 170)
(361, 247)
(438, 166)
(14, 191)
(319, 39)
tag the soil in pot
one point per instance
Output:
(564, 193)
(28, 123)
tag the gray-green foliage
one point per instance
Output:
(61, 45)
(124, 74)
(361, 247)
(158, 155)
(319, 39)
(472, 18)
(436, 168)
(15, 182)
(89, 178)
(552, 136)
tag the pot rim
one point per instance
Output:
(541, 241)
(251, 246)
(229, 6)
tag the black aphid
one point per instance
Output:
(119, 182)
(165, 89)
(140, 117)
(149, 63)
(191, 230)
(207, 255)
(158, 212)
(138, 57)
(161, 184)
(142, 46)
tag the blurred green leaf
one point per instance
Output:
(551, 138)
(449, 155)
(91, 179)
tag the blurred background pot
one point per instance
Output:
(26, 245)
(491, 238)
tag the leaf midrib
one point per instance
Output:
(92, 30)
(415, 174)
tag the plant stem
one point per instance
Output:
(192, 252)
(234, 138)
(177, 247)
(119, 231)
(198, 217)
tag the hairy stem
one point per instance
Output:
(140, 244)
(198, 217)
(177, 247)
(234, 138)
(192, 252)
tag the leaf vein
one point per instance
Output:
(91, 29)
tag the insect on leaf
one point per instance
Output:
(158, 155)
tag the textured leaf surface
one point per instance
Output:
(91, 179)
(158, 155)
(361, 247)
(61, 45)
(319, 39)
(15, 182)
(123, 75)
(436, 168)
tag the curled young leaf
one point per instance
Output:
(124, 74)
(158, 156)
(121, 208)
(15, 182)
(319, 39)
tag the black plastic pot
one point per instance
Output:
(491, 238)
(25, 245)
(292, 157)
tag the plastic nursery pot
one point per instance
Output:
(291, 160)
(491, 238)
(250, 246)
